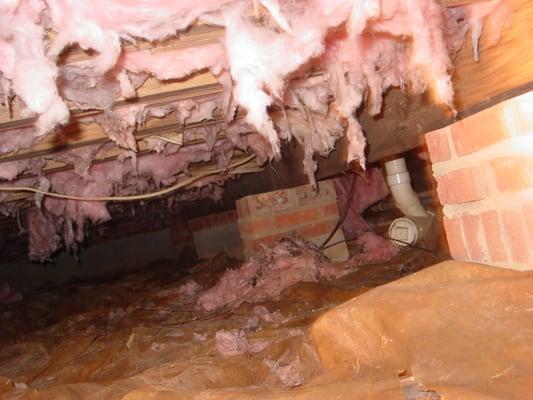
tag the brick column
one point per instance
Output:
(267, 217)
(484, 170)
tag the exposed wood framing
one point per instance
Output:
(504, 70)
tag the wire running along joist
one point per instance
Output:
(144, 196)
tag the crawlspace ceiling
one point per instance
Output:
(236, 78)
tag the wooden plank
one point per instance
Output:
(153, 92)
(502, 67)
(402, 121)
(79, 135)
(505, 70)
(112, 153)
(196, 36)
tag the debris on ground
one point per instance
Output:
(288, 371)
(234, 342)
(346, 338)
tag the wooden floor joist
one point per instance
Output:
(200, 84)
(504, 70)
(195, 170)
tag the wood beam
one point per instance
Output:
(196, 36)
(505, 70)
(153, 92)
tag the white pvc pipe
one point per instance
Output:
(399, 182)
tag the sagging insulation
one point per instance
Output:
(315, 62)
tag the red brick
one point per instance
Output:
(516, 235)
(479, 131)
(243, 209)
(330, 209)
(473, 235)
(256, 226)
(196, 224)
(438, 146)
(318, 228)
(513, 173)
(493, 235)
(518, 116)
(294, 218)
(461, 186)
(455, 238)
(221, 218)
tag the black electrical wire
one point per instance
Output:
(344, 214)
(325, 245)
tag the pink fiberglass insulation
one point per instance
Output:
(11, 169)
(234, 342)
(12, 140)
(364, 47)
(289, 261)
(81, 158)
(317, 133)
(175, 64)
(121, 123)
(289, 372)
(372, 248)
(67, 218)
(265, 275)
(474, 15)
(275, 318)
(364, 192)
(317, 60)
(43, 236)
(88, 91)
(272, 270)
(184, 294)
(25, 64)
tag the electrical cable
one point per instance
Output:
(165, 139)
(344, 214)
(145, 196)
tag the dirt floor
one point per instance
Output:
(140, 336)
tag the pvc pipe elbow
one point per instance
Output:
(399, 182)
